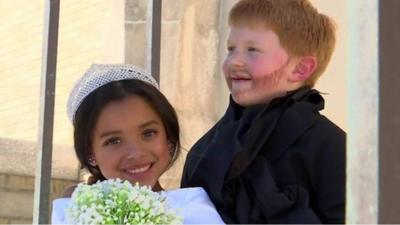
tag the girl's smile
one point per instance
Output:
(130, 142)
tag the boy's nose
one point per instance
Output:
(236, 59)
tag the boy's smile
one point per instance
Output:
(256, 65)
(240, 79)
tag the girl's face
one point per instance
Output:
(130, 142)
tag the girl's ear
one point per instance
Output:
(172, 148)
(92, 161)
(304, 68)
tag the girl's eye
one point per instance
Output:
(230, 48)
(147, 134)
(112, 141)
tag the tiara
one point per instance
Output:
(101, 74)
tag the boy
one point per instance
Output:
(272, 158)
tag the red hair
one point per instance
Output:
(302, 30)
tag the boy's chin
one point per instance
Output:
(246, 101)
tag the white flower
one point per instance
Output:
(119, 202)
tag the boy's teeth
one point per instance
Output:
(139, 170)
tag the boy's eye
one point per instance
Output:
(230, 48)
(112, 141)
(251, 49)
(147, 134)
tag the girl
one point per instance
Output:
(125, 128)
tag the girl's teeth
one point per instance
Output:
(139, 170)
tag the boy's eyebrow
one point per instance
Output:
(249, 42)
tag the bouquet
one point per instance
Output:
(119, 202)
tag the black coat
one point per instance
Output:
(276, 163)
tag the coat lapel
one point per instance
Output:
(276, 128)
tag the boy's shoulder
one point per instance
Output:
(326, 123)
(325, 128)
(309, 104)
(306, 115)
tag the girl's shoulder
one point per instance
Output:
(183, 196)
(69, 190)
(194, 205)
(58, 210)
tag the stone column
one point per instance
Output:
(193, 81)
(190, 73)
(135, 32)
(389, 112)
(373, 176)
(363, 111)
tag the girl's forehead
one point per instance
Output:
(128, 114)
(131, 103)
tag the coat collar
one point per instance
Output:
(276, 125)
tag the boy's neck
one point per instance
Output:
(276, 95)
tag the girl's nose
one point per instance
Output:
(134, 151)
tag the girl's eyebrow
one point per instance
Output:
(109, 133)
(146, 124)
(114, 132)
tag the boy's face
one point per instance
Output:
(256, 65)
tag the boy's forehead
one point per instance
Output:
(253, 24)
(253, 27)
(255, 34)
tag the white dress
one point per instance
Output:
(194, 204)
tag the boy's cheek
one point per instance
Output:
(225, 68)
(225, 63)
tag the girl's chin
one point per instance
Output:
(141, 183)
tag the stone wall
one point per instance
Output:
(16, 194)
(190, 69)
(89, 31)
(17, 170)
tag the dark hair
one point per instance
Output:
(88, 112)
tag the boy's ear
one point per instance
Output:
(304, 68)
